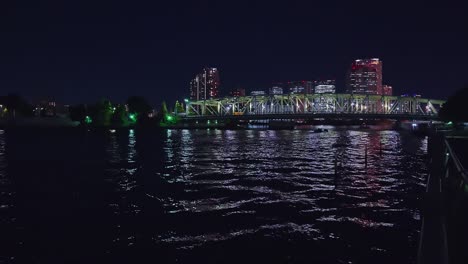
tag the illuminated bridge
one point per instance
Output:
(310, 106)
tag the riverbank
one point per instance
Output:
(52, 122)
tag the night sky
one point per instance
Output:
(78, 51)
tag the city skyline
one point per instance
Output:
(77, 52)
(365, 76)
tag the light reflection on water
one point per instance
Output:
(273, 194)
(284, 178)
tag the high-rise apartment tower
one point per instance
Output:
(205, 85)
(365, 77)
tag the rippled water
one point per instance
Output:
(203, 196)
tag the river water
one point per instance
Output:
(210, 196)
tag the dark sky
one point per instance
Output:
(81, 51)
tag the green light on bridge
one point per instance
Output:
(132, 117)
(88, 120)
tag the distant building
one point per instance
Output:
(365, 77)
(45, 107)
(3, 108)
(297, 90)
(257, 92)
(300, 87)
(276, 90)
(326, 86)
(296, 87)
(205, 85)
(387, 90)
(238, 92)
(309, 87)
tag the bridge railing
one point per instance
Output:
(453, 167)
(454, 185)
(444, 229)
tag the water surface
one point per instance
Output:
(210, 196)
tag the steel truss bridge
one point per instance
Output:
(298, 106)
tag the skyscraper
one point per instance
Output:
(205, 85)
(365, 77)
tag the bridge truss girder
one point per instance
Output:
(314, 103)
